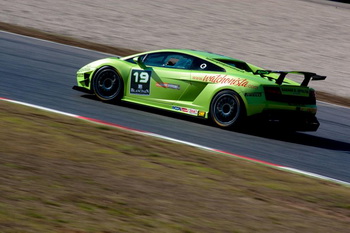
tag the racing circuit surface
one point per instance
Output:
(43, 73)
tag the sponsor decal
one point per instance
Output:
(297, 91)
(201, 113)
(223, 79)
(139, 91)
(168, 85)
(140, 82)
(253, 94)
(176, 108)
(197, 78)
(184, 110)
(252, 86)
(193, 111)
(203, 66)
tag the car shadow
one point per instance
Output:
(301, 138)
(252, 128)
(154, 110)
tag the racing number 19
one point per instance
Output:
(140, 82)
(141, 77)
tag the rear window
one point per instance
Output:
(200, 64)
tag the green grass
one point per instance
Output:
(59, 174)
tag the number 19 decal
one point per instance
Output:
(141, 77)
(140, 82)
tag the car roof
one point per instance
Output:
(197, 53)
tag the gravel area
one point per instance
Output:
(277, 34)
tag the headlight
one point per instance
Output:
(85, 69)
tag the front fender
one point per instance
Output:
(85, 74)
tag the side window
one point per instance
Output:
(199, 64)
(155, 59)
(169, 60)
(179, 61)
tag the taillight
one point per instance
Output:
(272, 93)
(272, 90)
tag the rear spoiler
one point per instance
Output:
(307, 75)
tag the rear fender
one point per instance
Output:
(205, 97)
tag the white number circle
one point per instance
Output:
(203, 66)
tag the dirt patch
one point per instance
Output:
(32, 32)
(59, 174)
(331, 98)
(323, 96)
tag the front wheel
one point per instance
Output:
(107, 84)
(227, 109)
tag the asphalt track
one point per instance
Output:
(43, 73)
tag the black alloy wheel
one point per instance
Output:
(107, 84)
(227, 109)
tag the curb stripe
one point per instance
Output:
(39, 107)
(109, 124)
(293, 170)
(248, 158)
(101, 122)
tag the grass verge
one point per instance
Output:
(323, 96)
(59, 174)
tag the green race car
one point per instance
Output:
(205, 85)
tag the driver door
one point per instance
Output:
(162, 80)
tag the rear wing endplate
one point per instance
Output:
(307, 75)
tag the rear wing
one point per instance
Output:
(307, 75)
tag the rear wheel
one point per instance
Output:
(107, 84)
(227, 109)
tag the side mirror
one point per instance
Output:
(138, 60)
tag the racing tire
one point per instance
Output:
(227, 110)
(107, 84)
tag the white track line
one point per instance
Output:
(293, 170)
(39, 107)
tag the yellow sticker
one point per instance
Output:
(201, 114)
